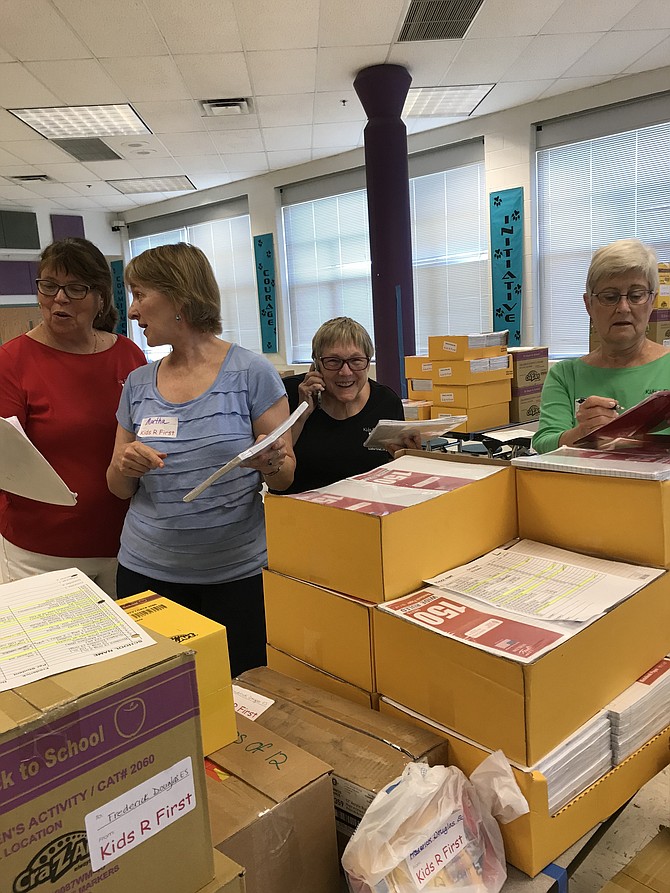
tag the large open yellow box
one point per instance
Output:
(209, 642)
(620, 518)
(333, 632)
(534, 840)
(419, 388)
(377, 558)
(298, 669)
(472, 395)
(480, 418)
(527, 709)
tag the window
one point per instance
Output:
(228, 246)
(590, 193)
(327, 249)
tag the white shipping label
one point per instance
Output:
(445, 371)
(250, 704)
(432, 856)
(449, 345)
(426, 367)
(127, 821)
(447, 397)
(351, 802)
(159, 426)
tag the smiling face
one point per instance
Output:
(623, 325)
(64, 317)
(154, 313)
(344, 385)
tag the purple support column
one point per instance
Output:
(382, 90)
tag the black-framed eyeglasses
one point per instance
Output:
(75, 291)
(334, 364)
(611, 296)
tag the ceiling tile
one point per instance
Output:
(282, 71)
(275, 111)
(40, 151)
(646, 13)
(199, 26)
(6, 57)
(117, 202)
(484, 61)
(147, 78)
(215, 76)
(189, 144)
(17, 193)
(336, 67)
(426, 68)
(548, 56)
(268, 25)
(509, 95)
(112, 170)
(656, 58)
(279, 139)
(33, 29)
(78, 203)
(20, 89)
(157, 167)
(18, 170)
(69, 172)
(614, 52)
(171, 117)
(8, 157)
(328, 107)
(140, 146)
(52, 190)
(95, 188)
(201, 164)
(346, 22)
(251, 163)
(279, 160)
(336, 135)
(567, 85)
(499, 18)
(124, 26)
(207, 180)
(78, 82)
(577, 17)
(231, 122)
(420, 125)
(12, 129)
(238, 141)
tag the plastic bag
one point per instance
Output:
(426, 831)
(498, 790)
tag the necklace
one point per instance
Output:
(48, 340)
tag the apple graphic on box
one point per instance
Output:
(129, 717)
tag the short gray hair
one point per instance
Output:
(341, 330)
(623, 256)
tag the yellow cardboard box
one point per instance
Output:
(208, 640)
(620, 518)
(534, 840)
(419, 388)
(474, 395)
(472, 371)
(480, 418)
(312, 624)
(378, 557)
(291, 666)
(648, 872)
(416, 409)
(418, 367)
(467, 347)
(529, 366)
(525, 709)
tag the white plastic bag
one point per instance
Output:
(426, 831)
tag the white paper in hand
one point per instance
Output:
(24, 470)
(394, 431)
(247, 454)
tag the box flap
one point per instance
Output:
(651, 867)
(233, 804)
(169, 618)
(15, 711)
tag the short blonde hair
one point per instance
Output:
(623, 256)
(341, 330)
(184, 275)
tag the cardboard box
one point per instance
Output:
(94, 740)
(271, 810)
(648, 872)
(526, 709)
(228, 876)
(460, 372)
(662, 299)
(323, 628)
(418, 367)
(536, 839)
(416, 409)
(212, 668)
(480, 418)
(472, 396)
(525, 404)
(289, 665)
(365, 749)
(659, 326)
(375, 557)
(467, 347)
(579, 511)
(419, 388)
(529, 366)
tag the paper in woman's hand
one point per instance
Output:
(388, 432)
(25, 472)
(248, 453)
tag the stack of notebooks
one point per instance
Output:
(641, 711)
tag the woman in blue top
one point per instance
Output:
(180, 419)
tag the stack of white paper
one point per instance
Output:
(624, 464)
(641, 711)
(577, 762)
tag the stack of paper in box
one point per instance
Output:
(464, 375)
(641, 711)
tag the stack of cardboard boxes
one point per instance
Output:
(529, 370)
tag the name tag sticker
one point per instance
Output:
(159, 426)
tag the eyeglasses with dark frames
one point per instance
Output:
(610, 297)
(75, 291)
(334, 364)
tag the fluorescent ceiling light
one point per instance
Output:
(152, 184)
(445, 102)
(83, 120)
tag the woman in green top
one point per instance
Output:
(582, 394)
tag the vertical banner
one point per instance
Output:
(506, 216)
(119, 297)
(265, 279)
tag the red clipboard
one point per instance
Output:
(634, 429)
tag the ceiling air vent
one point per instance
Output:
(32, 178)
(438, 19)
(87, 149)
(226, 107)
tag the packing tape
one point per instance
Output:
(558, 874)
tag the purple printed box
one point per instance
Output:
(102, 779)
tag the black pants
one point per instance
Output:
(238, 605)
